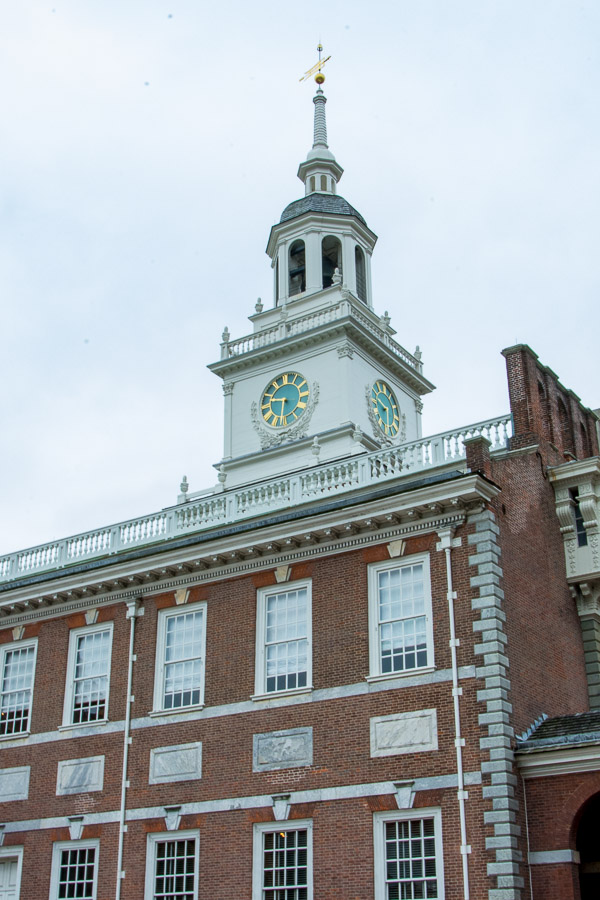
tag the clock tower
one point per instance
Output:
(320, 377)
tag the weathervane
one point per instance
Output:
(319, 77)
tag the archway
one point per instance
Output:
(588, 845)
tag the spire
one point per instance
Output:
(320, 121)
(320, 172)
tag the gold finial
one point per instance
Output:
(316, 69)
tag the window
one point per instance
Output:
(180, 657)
(580, 531)
(331, 259)
(17, 663)
(282, 868)
(88, 675)
(74, 870)
(11, 865)
(283, 651)
(400, 616)
(297, 269)
(172, 866)
(408, 855)
(361, 278)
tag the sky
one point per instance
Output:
(146, 149)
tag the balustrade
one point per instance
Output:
(287, 328)
(272, 494)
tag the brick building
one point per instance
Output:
(366, 664)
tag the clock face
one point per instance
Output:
(284, 400)
(385, 407)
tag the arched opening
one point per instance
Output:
(585, 446)
(312, 184)
(588, 846)
(544, 411)
(323, 182)
(565, 428)
(331, 256)
(297, 269)
(361, 275)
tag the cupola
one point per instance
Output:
(320, 241)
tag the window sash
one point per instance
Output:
(75, 870)
(285, 865)
(77, 873)
(18, 665)
(183, 661)
(91, 676)
(172, 863)
(400, 611)
(410, 859)
(282, 862)
(174, 869)
(408, 855)
(286, 639)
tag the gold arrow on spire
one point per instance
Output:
(319, 77)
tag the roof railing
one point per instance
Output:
(270, 495)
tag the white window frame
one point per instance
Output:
(74, 636)
(162, 837)
(380, 819)
(260, 668)
(57, 849)
(159, 669)
(14, 853)
(5, 649)
(374, 640)
(263, 828)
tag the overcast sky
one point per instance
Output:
(148, 146)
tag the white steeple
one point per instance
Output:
(320, 171)
(306, 385)
(320, 240)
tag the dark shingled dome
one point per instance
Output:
(322, 203)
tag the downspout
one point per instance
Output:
(446, 545)
(133, 611)
(527, 834)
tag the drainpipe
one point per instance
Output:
(527, 833)
(133, 611)
(446, 545)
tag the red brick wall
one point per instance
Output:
(544, 635)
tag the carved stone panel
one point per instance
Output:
(14, 783)
(79, 776)
(411, 732)
(180, 762)
(283, 749)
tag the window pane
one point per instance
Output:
(286, 640)
(183, 661)
(76, 873)
(410, 864)
(285, 865)
(90, 683)
(17, 684)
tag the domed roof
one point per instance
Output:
(320, 203)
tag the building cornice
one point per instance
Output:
(540, 763)
(284, 539)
